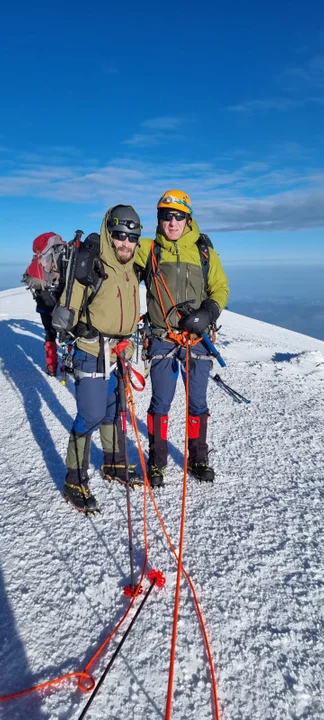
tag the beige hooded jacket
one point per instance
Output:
(115, 308)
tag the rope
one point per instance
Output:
(180, 555)
(177, 337)
(49, 683)
(84, 675)
(131, 409)
(128, 394)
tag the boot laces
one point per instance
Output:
(154, 471)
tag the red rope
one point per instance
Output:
(180, 554)
(49, 683)
(85, 675)
(132, 414)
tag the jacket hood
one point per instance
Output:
(107, 252)
(188, 238)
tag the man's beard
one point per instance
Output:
(122, 256)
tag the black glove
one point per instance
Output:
(197, 322)
(213, 309)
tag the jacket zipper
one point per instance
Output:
(135, 306)
(187, 283)
(178, 275)
(121, 308)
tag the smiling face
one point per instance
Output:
(124, 246)
(172, 223)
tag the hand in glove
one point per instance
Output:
(199, 320)
(213, 309)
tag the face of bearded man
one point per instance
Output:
(124, 250)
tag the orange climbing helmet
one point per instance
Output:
(175, 200)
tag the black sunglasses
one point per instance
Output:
(117, 235)
(169, 214)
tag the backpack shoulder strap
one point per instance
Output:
(156, 250)
(203, 244)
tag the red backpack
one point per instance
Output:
(45, 268)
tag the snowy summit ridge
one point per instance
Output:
(253, 541)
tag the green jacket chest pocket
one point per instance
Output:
(194, 287)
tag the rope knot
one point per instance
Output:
(130, 591)
(157, 576)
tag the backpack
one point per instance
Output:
(47, 266)
(203, 243)
(86, 267)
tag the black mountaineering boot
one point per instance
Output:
(198, 448)
(114, 464)
(155, 476)
(201, 471)
(78, 494)
(157, 426)
(76, 486)
(118, 473)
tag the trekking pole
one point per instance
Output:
(123, 417)
(118, 648)
(137, 343)
(70, 273)
(76, 242)
(236, 396)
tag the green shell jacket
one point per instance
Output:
(180, 266)
(115, 308)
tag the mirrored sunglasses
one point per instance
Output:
(117, 235)
(169, 214)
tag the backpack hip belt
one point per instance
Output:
(80, 374)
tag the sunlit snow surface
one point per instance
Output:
(253, 544)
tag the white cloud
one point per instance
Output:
(162, 123)
(299, 85)
(254, 196)
(283, 104)
(156, 130)
(265, 104)
(145, 140)
(311, 74)
(287, 211)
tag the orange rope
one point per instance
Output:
(180, 554)
(154, 269)
(147, 485)
(129, 394)
(49, 683)
(177, 337)
(84, 674)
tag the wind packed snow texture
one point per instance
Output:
(253, 541)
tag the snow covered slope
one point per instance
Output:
(253, 543)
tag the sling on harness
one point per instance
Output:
(179, 338)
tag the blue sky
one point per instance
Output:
(105, 104)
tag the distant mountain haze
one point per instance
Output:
(290, 296)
